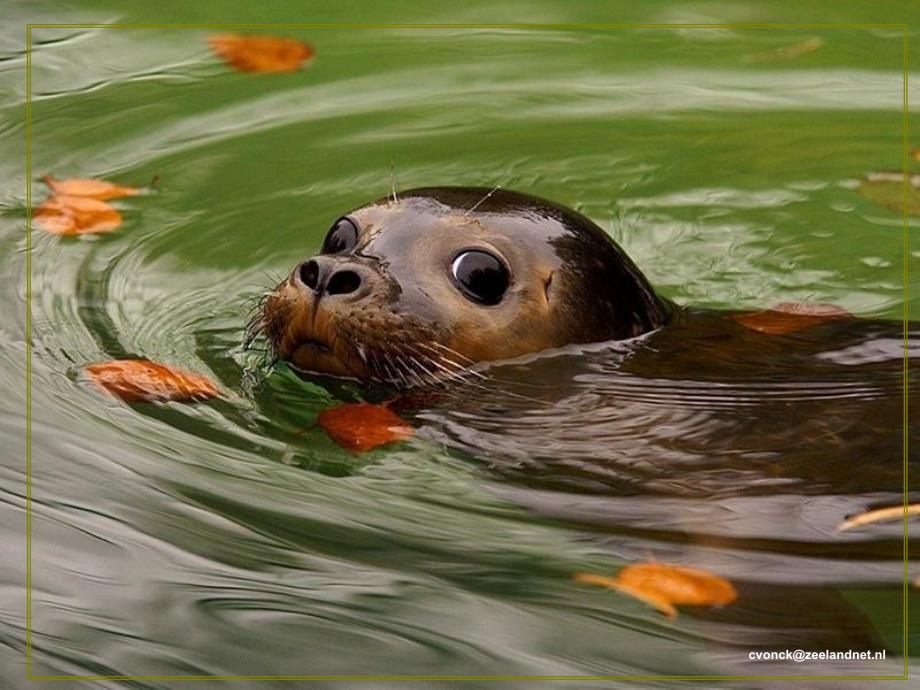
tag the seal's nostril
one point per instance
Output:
(309, 273)
(343, 282)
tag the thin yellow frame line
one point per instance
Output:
(906, 293)
(492, 677)
(335, 25)
(28, 133)
(906, 311)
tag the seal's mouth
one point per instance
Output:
(306, 338)
(341, 340)
(314, 345)
(311, 340)
(314, 355)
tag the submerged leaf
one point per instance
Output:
(76, 215)
(887, 189)
(363, 426)
(788, 317)
(662, 586)
(84, 187)
(140, 380)
(879, 515)
(261, 53)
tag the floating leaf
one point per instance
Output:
(140, 380)
(789, 317)
(261, 53)
(887, 189)
(653, 599)
(662, 586)
(84, 187)
(76, 215)
(879, 515)
(363, 426)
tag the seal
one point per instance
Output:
(697, 435)
(415, 288)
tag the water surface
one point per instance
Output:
(223, 538)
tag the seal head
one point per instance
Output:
(415, 288)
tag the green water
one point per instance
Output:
(220, 538)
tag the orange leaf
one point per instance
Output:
(76, 215)
(789, 317)
(663, 586)
(261, 53)
(140, 380)
(680, 584)
(363, 426)
(94, 189)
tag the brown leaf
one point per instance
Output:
(76, 215)
(249, 53)
(789, 317)
(662, 586)
(140, 380)
(94, 189)
(363, 426)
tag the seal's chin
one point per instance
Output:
(315, 356)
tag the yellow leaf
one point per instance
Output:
(879, 515)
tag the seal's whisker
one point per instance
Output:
(442, 346)
(388, 376)
(272, 282)
(384, 369)
(433, 376)
(461, 367)
(483, 377)
(393, 181)
(359, 348)
(423, 361)
(402, 380)
(417, 368)
(407, 362)
(419, 372)
(449, 374)
(374, 365)
(255, 311)
(459, 374)
(476, 205)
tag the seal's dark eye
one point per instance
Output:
(341, 237)
(480, 276)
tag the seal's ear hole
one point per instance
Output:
(547, 284)
(481, 276)
(342, 236)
